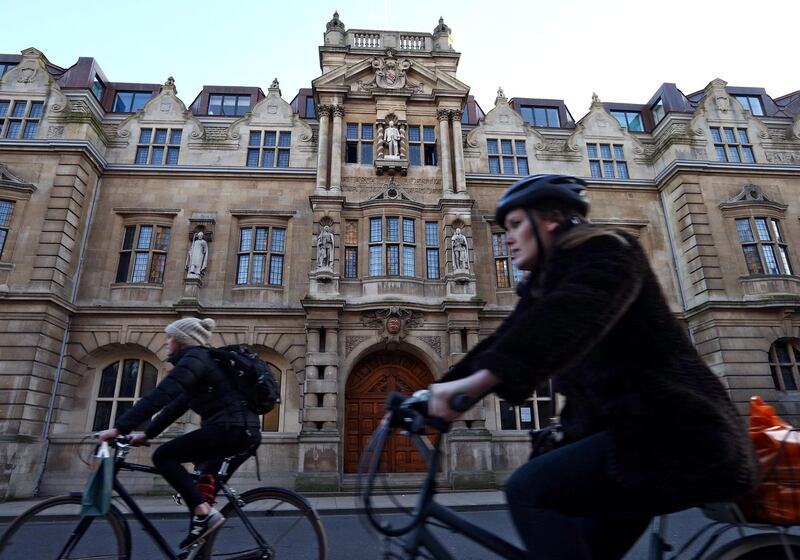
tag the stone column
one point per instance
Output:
(324, 146)
(331, 376)
(310, 400)
(380, 150)
(336, 149)
(458, 153)
(444, 138)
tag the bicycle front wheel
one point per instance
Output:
(54, 530)
(286, 522)
(763, 546)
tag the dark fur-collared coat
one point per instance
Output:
(596, 321)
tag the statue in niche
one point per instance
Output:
(460, 251)
(391, 137)
(197, 258)
(325, 248)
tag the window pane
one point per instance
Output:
(311, 112)
(172, 156)
(747, 153)
(408, 230)
(258, 269)
(29, 132)
(285, 139)
(432, 233)
(139, 268)
(13, 129)
(140, 99)
(242, 104)
(252, 157)
(594, 166)
(591, 149)
(130, 375)
(552, 117)
(269, 159)
(283, 158)
(715, 134)
(433, 263)
(608, 169)
(428, 134)
(505, 147)
(734, 154)
(5, 212)
(229, 105)
(255, 138)
(787, 267)
(149, 377)
(605, 151)
(393, 260)
(517, 274)
(141, 155)
(789, 383)
(122, 268)
(36, 109)
(519, 146)
(721, 155)
(730, 138)
(269, 138)
(375, 261)
(261, 239)
(122, 408)
(157, 264)
(366, 153)
(4, 107)
(743, 138)
(157, 155)
(162, 238)
(540, 116)
(102, 416)
(351, 232)
(367, 132)
(215, 105)
(762, 229)
(618, 152)
(161, 136)
(175, 136)
(374, 230)
(409, 261)
(145, 237)
(246, 239)
(392, 229)
(769, 259)
(351, 262)
(635, 123)
(494, 164)
(775, 230)
(752, 259)
(430, 154)
(522, 166)
(19, 109)
(499, 248)
(743, 228)
(414, 155)
(508, 165)
(501, 269)
(352, 131)
(622, 170)
(413, 134)
(108, 381)
(508, 416)
(278, 240)
(241, 269)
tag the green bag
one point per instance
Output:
(96, 498)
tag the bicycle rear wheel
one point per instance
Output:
(54, 530)
(284, 519)
(763, 546)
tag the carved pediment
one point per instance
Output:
(752, 195)
(10, 181)
(30, 75)
(391, 190)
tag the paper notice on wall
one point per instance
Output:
(524, 414)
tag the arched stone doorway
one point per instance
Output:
(365, 396)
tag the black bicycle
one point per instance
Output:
(414, 538)
(261, 524)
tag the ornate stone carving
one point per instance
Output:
(456, 115)
(434, 342)
(335, 23)
(782, 157)
(351, 342)
(55, 131)
(324, 110)
(390, 73)
(26, 75)
(338, 110)
(392, 322)
(197, 257)
(391, 138)
(443, 115)
(723, 104)
(750, 193)
(460, 251)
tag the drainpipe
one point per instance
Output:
(51, 405)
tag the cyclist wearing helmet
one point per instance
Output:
(648, 428)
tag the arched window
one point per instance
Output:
(270, 422)
(121, 384)
(784, 357)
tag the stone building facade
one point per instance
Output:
(351, 241)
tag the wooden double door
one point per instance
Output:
(365, 404)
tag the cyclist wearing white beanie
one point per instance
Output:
(228, 427)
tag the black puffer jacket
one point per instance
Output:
(598, 324)
(197, 382)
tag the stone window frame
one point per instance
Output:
(535, 403)
(384, 244)
(729, 140)
(115, 399)
(266, 154)
(607, 160)
(18, 193)
(168, 146)
(359, 143)
(433, 251)
(517, 156)
(785, 372)
(249, 218)
(428, 156)
(25, 122)
(269, 254)
(752, 210)
(513, 276)
(136, 218)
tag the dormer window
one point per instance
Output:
(130, 101)
(658, 111)
(632, 120)
(228, 105)
(311, 110)
(752, 103)
(541, 116)
(98, 88)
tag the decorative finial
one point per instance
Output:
(170, 82)
(595, 98)
(441, 28)
(335, 24)
(274, 84)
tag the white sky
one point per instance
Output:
(563, 49)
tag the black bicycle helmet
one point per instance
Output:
(535, 189)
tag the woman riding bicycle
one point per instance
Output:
(648, 428)
(228, 427)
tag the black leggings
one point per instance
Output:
(566, 507)
(209, 445)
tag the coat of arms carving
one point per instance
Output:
(390, 73)
(392, 322)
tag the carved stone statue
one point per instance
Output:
(197, 258)
(325, 248)
(391, 137)
(460, 251)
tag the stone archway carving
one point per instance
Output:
(371, 380)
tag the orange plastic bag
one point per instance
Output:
(777, 498)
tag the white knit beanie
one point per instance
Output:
(191, 331)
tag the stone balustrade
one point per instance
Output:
(398, 40)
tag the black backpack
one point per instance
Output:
(251, 377)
